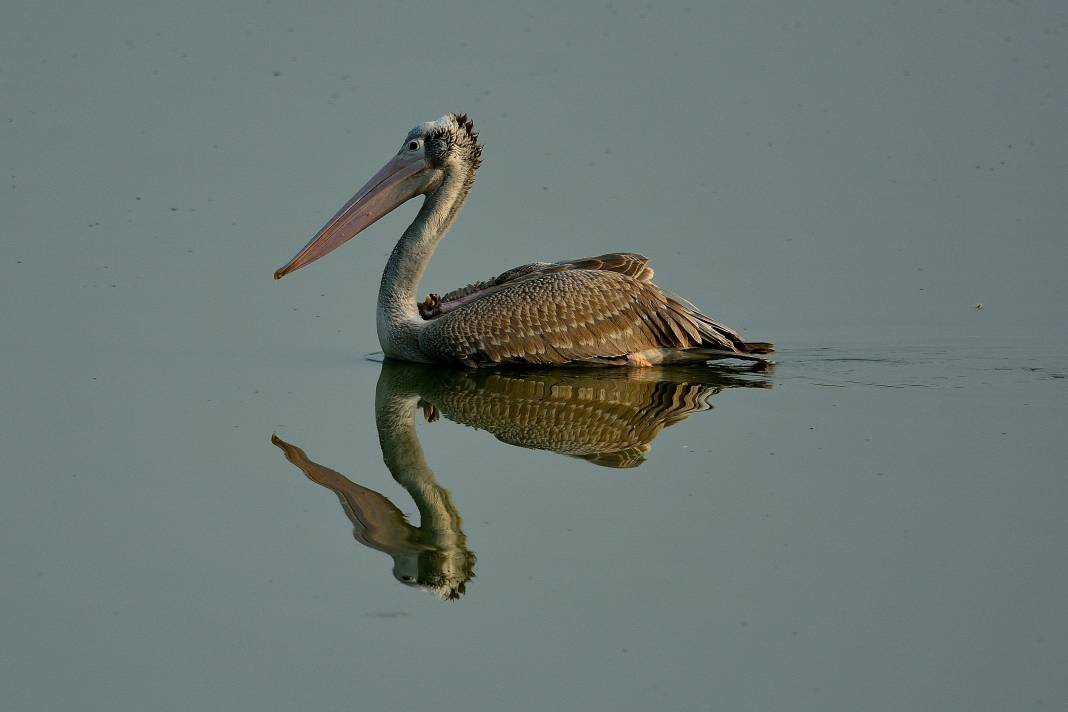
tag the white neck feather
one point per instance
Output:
(397, 314)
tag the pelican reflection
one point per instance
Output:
(606, 416)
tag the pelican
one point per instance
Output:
(597, 310)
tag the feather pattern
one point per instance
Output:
(597, 310)
(628, 263)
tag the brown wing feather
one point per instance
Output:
(627, 263)
(561, 316)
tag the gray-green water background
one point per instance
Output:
(882, 529)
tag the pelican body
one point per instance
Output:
(596, 310)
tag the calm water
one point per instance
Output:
(214, 499)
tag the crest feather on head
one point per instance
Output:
(462, 133)
(465, 124)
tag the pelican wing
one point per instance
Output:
(574, 314)
(628, 263)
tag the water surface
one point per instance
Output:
(875, 523)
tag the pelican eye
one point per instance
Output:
(413, 145)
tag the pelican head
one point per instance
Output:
(431, 152)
